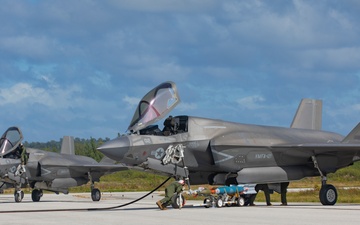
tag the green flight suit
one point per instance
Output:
(24, 155)
(170, 190)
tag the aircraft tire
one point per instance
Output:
(18, 195)
(328, 194)
(95, 195)
(36, 194)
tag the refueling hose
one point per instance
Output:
(89, 209)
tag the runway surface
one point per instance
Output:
(146, 212)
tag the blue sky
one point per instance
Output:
(80, 67)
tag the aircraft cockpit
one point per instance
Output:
(9, 142)
(172, 125)
(154, 106)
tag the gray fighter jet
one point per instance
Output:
(47, 170)
(219, 152)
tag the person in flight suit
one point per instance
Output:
(174, 188)
(24, 158)
(169, 125)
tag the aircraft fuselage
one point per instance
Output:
(220, 147)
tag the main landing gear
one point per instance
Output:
(36, 195)
(328, 194)
(95, 193)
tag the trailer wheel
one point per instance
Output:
(207, 203)
(219, 203)
(240, 201)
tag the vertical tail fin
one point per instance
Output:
(308, 115)
(68, 146)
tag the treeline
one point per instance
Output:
(86, 147)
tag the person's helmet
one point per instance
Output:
(182, 182)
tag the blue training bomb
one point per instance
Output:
(230, 190)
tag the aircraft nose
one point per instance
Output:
(115, 149)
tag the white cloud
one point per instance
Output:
(132, 102)
(165, 5)
(186, 107)
(26, 94)
(251, 102)
(68, 63)
(22, 93)
(101, 79)
(336, 58)
(28, 46)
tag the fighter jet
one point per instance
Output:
(47, 170)
(220, 152)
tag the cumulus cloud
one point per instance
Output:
(132, 102)
(23, 93)
(164, 5)
(88, 59)
(28, 46)
(251, 102)
(26, 94)
(186, 107)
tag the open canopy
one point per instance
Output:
(10, 140)
(154, 106)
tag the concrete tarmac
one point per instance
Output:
(77, 209)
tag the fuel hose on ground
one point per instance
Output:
(90, 209)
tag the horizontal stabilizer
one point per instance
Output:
(107, 160)
(353, 136)
(308, 115)
(68, 146)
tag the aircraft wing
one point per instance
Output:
(102, 168)
(319, 148)
(351, 143)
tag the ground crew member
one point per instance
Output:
(265, 189)
(283, 190)
(24, 155)
(24, 158)
(174, 188)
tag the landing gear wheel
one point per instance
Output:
(36, 194)
(177, 201)
(240, 201)
(219, 203)
(18, 195)
(328, 194)
(95, 195)
(207, 203)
